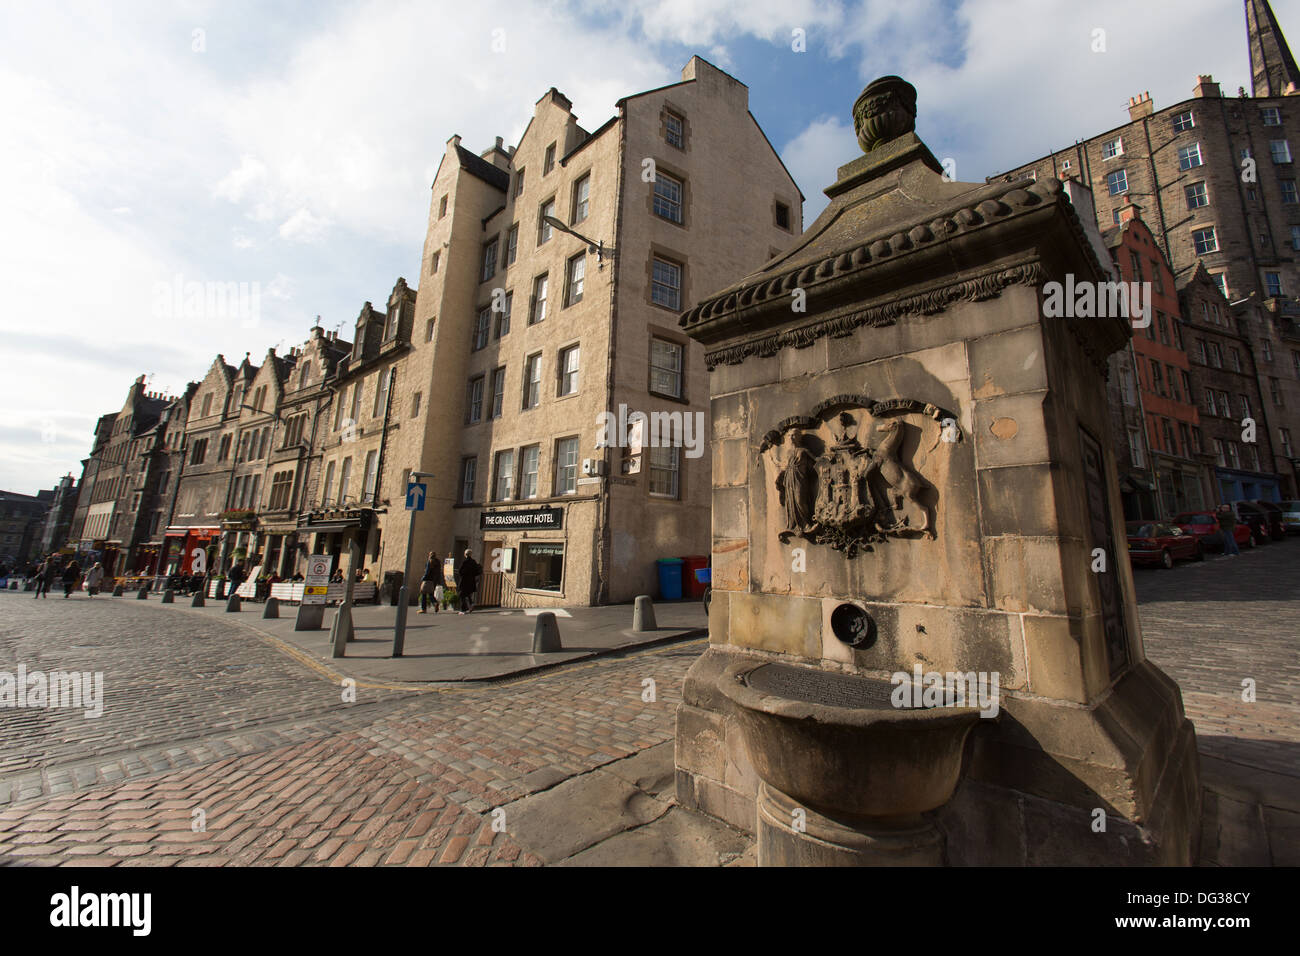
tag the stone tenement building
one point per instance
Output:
(1217, 181)
(553, 274)
(530, 326)
(1227, 386)
(357, 482)
(117, 507)
(21, 519)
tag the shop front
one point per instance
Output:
(182, 545)
(1237, 485)
(524, 554)
(330, 531)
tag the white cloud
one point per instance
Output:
(814, 156)
(302, 226)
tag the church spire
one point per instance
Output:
(1272, 67)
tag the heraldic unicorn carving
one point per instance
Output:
(842, 477)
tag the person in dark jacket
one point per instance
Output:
(71, 578)
(235, 576)
(467, 582)
(432, 584)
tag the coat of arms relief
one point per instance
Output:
(843, 477)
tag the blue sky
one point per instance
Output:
(292, 145)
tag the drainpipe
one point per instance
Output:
(604, 545)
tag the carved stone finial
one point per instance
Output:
(885, 110)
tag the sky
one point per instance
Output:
(285, 152)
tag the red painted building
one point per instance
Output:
(1172, 448)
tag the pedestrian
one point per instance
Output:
(467, 582)
(39, 577)
(94, 577)
(236, 576)
(1227, 525)
(46, 581)
(71, 577)
(432, 585)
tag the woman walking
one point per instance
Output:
(432, 584)
(94, 577)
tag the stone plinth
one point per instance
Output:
(898, 428)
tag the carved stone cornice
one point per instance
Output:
(930, 302)
(982, 241)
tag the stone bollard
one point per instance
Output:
(272, 609)
(169, 596)
(643, 614)
(117, 590)
(198, 599)
(232, 603)
(142, 594)
(341, 631)
(546, 634)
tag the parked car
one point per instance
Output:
(1256, 517)
(1153, 542)
(1276, 523)
(1205, 526)
(1290, 515)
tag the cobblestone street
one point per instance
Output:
(215, 747)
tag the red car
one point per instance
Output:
(1151, 542)
(1205, 527)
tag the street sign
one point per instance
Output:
(316, 583)
(415, 495)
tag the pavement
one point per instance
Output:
(225, 740)
(485, 644)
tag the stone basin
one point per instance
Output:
(837, 744)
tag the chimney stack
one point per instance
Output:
(1206, 87)
(1139, 106)
(1129, 211)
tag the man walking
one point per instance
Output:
(71, 578)
(467, 582)
(432, 585)
(49, 571)
(1227, 525)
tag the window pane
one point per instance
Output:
(663, 471)
(566, 466)
(528, 487)
(666, 284)
(668, 198)
(666, 368)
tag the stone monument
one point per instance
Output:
(924, 645)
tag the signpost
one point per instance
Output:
(311, 610)
(415, 493)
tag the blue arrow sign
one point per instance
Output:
(415, 496)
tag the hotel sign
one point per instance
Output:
(522, 519)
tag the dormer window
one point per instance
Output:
(394, 316)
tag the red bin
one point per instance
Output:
(692, 587)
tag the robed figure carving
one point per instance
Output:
(797, 487)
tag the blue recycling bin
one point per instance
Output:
(670, 579)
